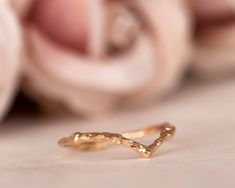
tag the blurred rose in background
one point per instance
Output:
(214, 39)
(90, 57)
(10, 46)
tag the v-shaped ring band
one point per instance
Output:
(101, 140)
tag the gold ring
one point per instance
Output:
(101, 140)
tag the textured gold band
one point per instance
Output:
(101, 140)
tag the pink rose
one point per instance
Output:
(215, 39)
(9, 56)
(92, 56)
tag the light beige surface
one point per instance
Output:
(201, 155)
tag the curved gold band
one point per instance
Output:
(101, 140)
